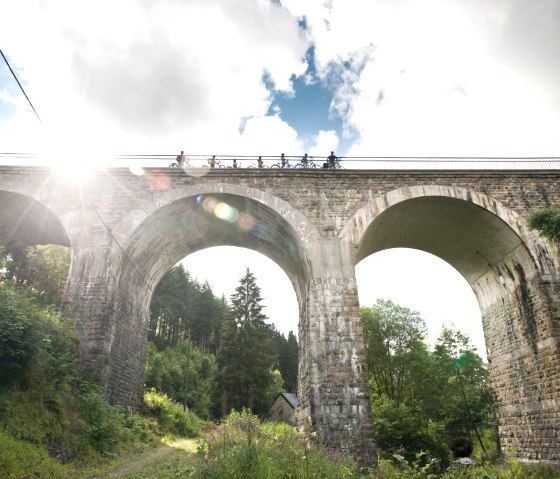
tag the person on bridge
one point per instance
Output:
(234, 163)
(331, 160)
(212, 161)
(305, 161)
(181, 159)
(283, 161)
(260, 162)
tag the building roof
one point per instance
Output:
(291, 398)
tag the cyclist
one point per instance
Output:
(181, 159)
(331, 159)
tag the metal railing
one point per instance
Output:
(295, 161)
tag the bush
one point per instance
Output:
(18, 339)
(104, 424)
(399, 431)
(19, 459)
(172, 418)
(546, 221)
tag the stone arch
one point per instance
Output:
(29, 222)
(509, 269)
(183, 223)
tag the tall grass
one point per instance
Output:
(241, 447)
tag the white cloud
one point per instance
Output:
(139, 75)
(460, 78)
(325, 141)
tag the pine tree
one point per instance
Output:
(290, 371)
(246, 355)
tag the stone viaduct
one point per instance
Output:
(126, 230)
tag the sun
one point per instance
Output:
(71, 159)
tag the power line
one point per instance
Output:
(23, 91)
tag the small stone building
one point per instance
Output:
(283, 408)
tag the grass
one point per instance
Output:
(171, 459)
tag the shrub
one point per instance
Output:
(18, 339)
(399, 430)
(104, 424)
(172, 418)
(546, 221)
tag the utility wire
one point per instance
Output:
(23, 91)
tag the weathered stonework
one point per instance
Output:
(126, 231)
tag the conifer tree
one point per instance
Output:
(246, 355)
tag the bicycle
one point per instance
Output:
(175, 164)
(310, 164)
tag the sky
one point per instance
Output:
(365, 78)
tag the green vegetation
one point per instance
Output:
(184, 373)
(546, 221)
(171, 417)
(212, 356)
(246, 356)
(51, 416)
(243, 447)
(425, 401)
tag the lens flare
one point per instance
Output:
(246, 222)
(208, 204)
(159, 181)
(226, 212)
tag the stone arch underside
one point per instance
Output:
(172, 232)
(27, 222)
(509, 270)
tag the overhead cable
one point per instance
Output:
(23, 91)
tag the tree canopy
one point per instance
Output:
(422, 399)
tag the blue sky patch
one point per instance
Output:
(307, 111)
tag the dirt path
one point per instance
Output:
(171, 457)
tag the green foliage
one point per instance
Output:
(246, 356)
(184, 373)
(187, 324)
(546, 221)
(18, 338)
(394, 342)
(399, 468)
(105, 425)
(287, 351)
(466, 399)
(19, 459)
(400, 430)
(172, 418)
(423, 400)
(242, 447)
(43, 269)
(181, 308)
(46, 403)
